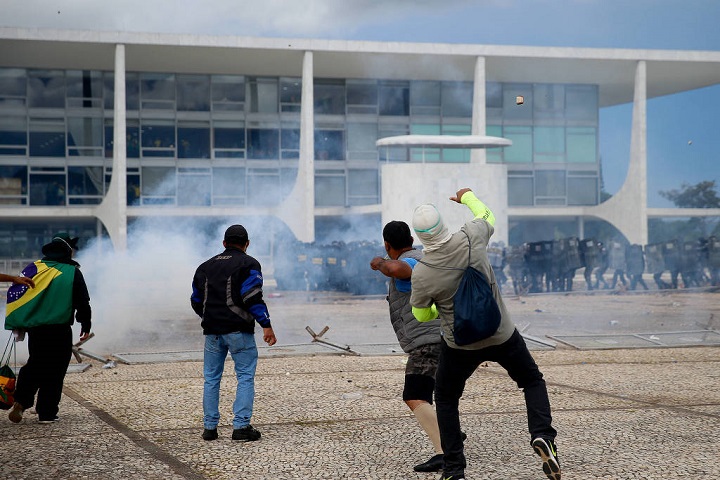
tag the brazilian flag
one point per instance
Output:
(49, 303)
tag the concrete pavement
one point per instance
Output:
(621, 414)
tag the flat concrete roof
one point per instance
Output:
(668, 71)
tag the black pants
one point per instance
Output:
(50, 350)
(456, 366)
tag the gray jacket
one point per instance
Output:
(410, 333)
(438, 285)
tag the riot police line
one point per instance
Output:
(551, 266)
(337, 266)
(533, 267)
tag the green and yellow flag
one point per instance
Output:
(49, 303)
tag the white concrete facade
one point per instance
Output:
(622, 76)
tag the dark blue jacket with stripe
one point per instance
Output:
(227, 293)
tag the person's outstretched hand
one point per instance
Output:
(458, 196)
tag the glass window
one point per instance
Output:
(13, 184)
(549, 144)
(550, 183)
(494, 155)
(362, 137)
(290, 141)
(263, 143)
(457, 98)
(548, 101)
(581, 144)
(132, 142)
(193, 187)
(47, 188)
(229, 139)
(157, 91)
(228, 92)
(13, 83)
(84, 88)
(132, 91)
(521, 149)
(424, 98)
(158, 138)
(456, 155)
(363, 187)
(329, 145)
(260, 182)
(13, 135)
(425, 154)
(47, 137)
(132, 181)
(362, 96)
(394, 99)
(393, 154)
(582, 191)
(290, 94)
(329, 190)
(329, 97)
(228, 186)
(520, 191)
(581, 102)
(85, 185)
(108, 80)
(493, 95)
(193, 139)
(46, 89)
(511, 109)
(193, 93)
(263, 95)
(158, 185)
(85, 136)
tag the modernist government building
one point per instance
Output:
(102, 130)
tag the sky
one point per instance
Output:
(682, 148)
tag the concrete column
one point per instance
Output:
(113, 209)
(298, 209)
(627, 209)
(479, 122)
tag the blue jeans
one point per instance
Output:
(243, 351)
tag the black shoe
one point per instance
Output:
(548, 452)
(435, 464)
(248, 433)
(210, 434)
(49, 420)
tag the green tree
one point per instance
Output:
(701, 195)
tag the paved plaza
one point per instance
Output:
(627, 413)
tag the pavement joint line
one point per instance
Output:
(627, 398)
(180, 468)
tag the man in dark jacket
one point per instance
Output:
(46, 312)
(421, 341)
(227, 295)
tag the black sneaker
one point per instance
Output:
(548, 452)
(210, 434)
(435, 464)
(248, 433)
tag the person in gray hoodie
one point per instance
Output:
(421, 341)
(435, 282)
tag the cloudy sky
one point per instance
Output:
(673, 122)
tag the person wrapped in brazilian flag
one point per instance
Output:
(46, 313)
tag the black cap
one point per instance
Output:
(62, 244)
(236, 234)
